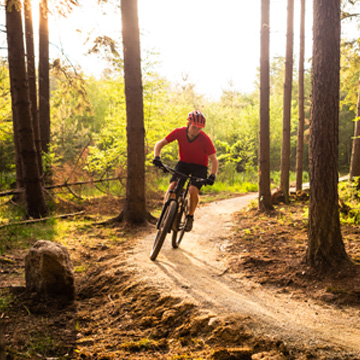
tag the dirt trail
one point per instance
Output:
(197, 272)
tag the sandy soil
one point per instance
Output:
(198, 272)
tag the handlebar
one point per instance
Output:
(167, 168)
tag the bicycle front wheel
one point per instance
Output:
(178, 236)
(164, 228)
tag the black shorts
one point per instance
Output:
(199, 171)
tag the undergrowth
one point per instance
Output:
(349, 202)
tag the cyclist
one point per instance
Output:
(195, 150)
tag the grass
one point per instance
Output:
(6, 298)
(24, 236)
(21, 237)
(40, 344)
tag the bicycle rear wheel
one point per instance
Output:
(178, 236)
(164, 228)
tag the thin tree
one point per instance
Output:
(30, 57)
(44, 81)
(355, 155)
(285, 149)
(325, 245)
(265, 202)
(134, 211)
(300, 134)
(18, 165)
(20, 95)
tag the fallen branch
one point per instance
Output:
(79, 183)
(18, 191)
(32, 221)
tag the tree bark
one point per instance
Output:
(285, 149)
(355, 155)
(44, 82)
(300, 134)
(134, 211)
(29, 37)
(325, 246)
(20, 94)
(264, 135)
(18, 165)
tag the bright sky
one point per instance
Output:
(213, 42)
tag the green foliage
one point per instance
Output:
(276, 114)
(71, 116)
(88, 120)
(349, 195)
(275, 177)
(349, 88)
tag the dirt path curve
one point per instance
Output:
(196, 272)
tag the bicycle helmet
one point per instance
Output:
(197, 119)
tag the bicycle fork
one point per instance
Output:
(163, 211)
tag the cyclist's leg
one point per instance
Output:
(171, 187)
(194, 189)
(194, 199)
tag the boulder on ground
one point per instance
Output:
(49, 271)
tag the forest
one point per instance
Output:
(76, 168)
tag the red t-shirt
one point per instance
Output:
(196, 151)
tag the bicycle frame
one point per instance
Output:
(183, 181)
(177, 197)
(180, 190)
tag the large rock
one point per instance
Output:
(49, 271)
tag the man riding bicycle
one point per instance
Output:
(195, 150)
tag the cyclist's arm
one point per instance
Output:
(214, 164)
(158, 146)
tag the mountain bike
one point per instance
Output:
(174, 213)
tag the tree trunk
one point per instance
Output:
(355, 156)
(264, 135)
(325, 246)
(134, 211)
(300, 134)
(44, 84)
(20, 95)
(18, 165)
(285, 150)
(29, 37)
